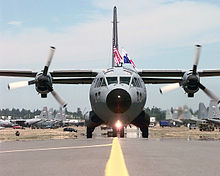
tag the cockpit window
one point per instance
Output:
(136, 82)
(100, 82)
(112, 80)
(103, 83)
(97, 82)
(125, 80)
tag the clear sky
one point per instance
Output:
(158, 34)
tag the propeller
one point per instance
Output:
(16, 85)
(49, 59)
(59, 99)
(209, 93)
(196, 58)
(20, 84)
(43, 79)
(190, 77)
(169, 87)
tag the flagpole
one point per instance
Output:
(115, 34)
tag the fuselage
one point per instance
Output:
(117, 93)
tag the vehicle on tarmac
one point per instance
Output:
(18, 127)
(70, 130)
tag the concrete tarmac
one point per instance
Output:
(82, 157)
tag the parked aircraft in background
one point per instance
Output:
(6, 123)
(26, 122)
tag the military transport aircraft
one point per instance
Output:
(117, 94)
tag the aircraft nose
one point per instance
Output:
(118, 101)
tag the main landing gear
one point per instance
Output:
(142, 122)
(89, 131)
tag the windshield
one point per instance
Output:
(112, 80)
(125, 80)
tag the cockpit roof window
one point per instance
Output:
(112, 80)
(125, 80)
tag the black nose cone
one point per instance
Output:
(118, 101)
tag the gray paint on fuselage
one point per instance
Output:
(98, 96)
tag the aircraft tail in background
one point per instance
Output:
(44, 113)
(203, 113)
(213, 111)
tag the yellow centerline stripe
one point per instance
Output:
(57, 148)
(116, 163)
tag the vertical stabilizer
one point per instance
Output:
(202, 114)
(213, 109)
(186, 113)
(58, 116)
(50, 114)
(115, 34)
(44, 113)
(169, 114)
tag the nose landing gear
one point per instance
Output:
(118, 129)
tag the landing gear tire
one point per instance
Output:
(144, 131)
(122, 134)
(89, 132)
(114, 133)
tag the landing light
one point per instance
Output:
(118, 124)
(119, 96)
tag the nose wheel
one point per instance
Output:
(118, 132)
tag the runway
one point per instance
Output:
(142, 157)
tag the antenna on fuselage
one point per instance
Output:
(115, 34)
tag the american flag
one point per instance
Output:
(117, 56)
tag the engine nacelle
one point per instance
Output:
(43, 84)
(190, 82)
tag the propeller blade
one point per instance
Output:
(59, 99)
(209, 93)
(20, 84)
(196, 58)
(49, 59)
(169, 87)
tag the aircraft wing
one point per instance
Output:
(175, 73)
(74, 73)
(20, 122)
(65, 76)
(61, 73)
(73, 81)
(17, 73)
(160, 80)
(73, 76)
(215, 121)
